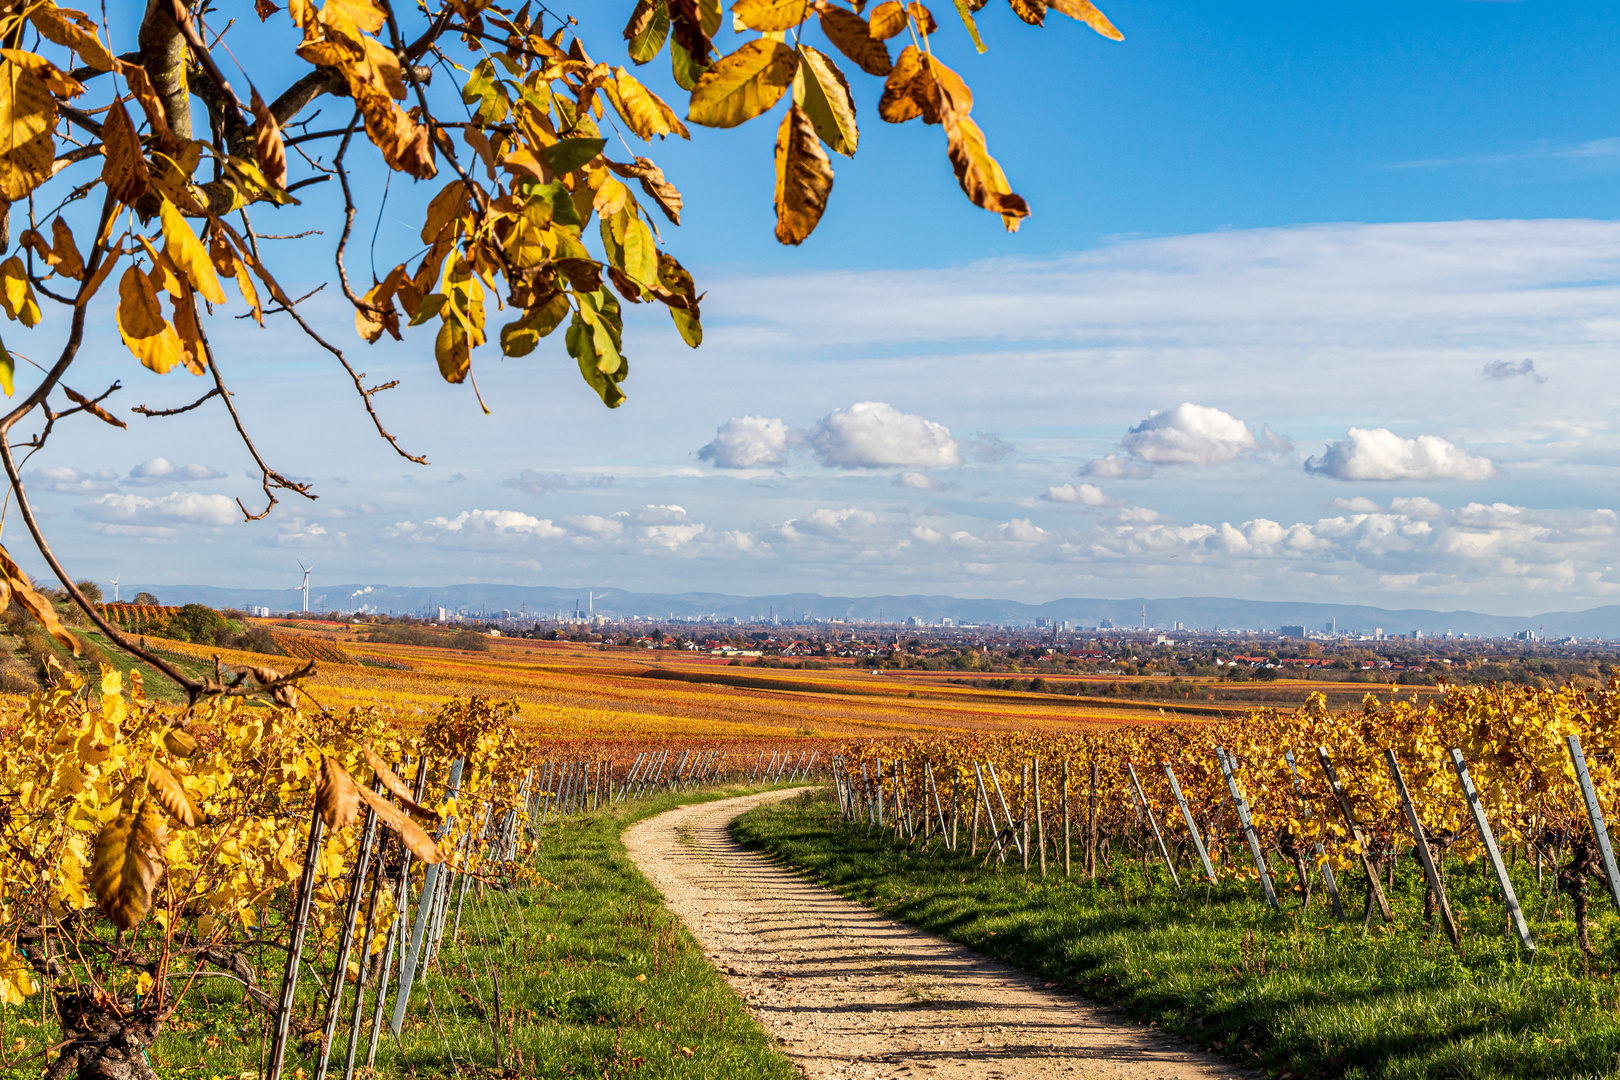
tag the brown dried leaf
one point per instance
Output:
(1087, 13)
(69, 263)
(168, 790)
(415, 839)
(27, 118)
(92, 408)
(804, 177)
(337, 797)
(124, 171)
(22, 590)
(268, 149)
(178, 741)
(922, 17)
(129, 864)
(852, 35)
(910, 90)
(980, 175)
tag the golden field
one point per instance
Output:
(581, 691)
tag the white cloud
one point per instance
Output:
(1084, 494)
(158, 470)
(1116, 467)
(1380, 454)
(71, 481)
(750, 442)
(137, 515)
(1359, 504)
(917, 481)
(476, 525)
(841, 524)
(1020, 531)
(1188, 435)
(876, 435)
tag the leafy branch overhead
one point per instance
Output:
(136, 210)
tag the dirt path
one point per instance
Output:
(851, 995)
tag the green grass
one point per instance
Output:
(1287, 991)
(597, 979)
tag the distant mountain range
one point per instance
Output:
(1194, 612)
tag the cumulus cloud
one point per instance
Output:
(1188, 435)
(72, 481)
(666, 527)
(159, 470)
(833, 524)
(876, 435)
(473, 525)
(1019, 531)
(750, 442)
(1116, 467)
(917, 481)
(537, 484)
(137, 515)
(1500, 370)
(1084, 494)
(1380, 454)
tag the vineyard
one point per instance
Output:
(155, 857)
(1482, 779)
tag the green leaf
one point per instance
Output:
(566, 155)
(821, 90)
(591, 341)
(432, 304)
(640, 252)
(966, 12)
(549, 203)
(520, 337)
(688, 324)
(649, 40)
(684, 68)
(484, 87)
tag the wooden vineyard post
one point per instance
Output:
(956, 806)
(295, 949)
(1327, 871)
(1242, 805)
(1154, 822)
(357, 887)
(878, 791)
(1192, 826)
(1594, 814)
(1065, 817)
(998, 844)
(1091, 825)
(1040, 819)
(973, 832)
(1005, 810)
(933, 787)
(1488, 838)
(1023, 814)
(1425, 856)
(426, 905)
(1362, 849)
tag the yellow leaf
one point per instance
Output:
(73, 29)
(168, 790)
(189, 255)
(856, 38)
(56, 81)
(804, 177)
(16, 294)
(887, 20)
(8, 371)
(644, 111)
(141, 324)
(979, 174)
(772, 15)
(821, 90)
(27, 118)
(452, 350)
(744, 84)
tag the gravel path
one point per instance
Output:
(851, 995)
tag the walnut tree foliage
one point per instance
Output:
(543, 215)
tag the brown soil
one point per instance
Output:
(851, 995)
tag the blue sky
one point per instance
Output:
(1315, 303)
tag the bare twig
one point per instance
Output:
(144, 411)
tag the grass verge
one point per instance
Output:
(596, 979)
(1291, 992)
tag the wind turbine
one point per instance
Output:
(114, 584)
(306, 570)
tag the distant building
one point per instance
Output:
(1291, 631)
(1042, 624)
